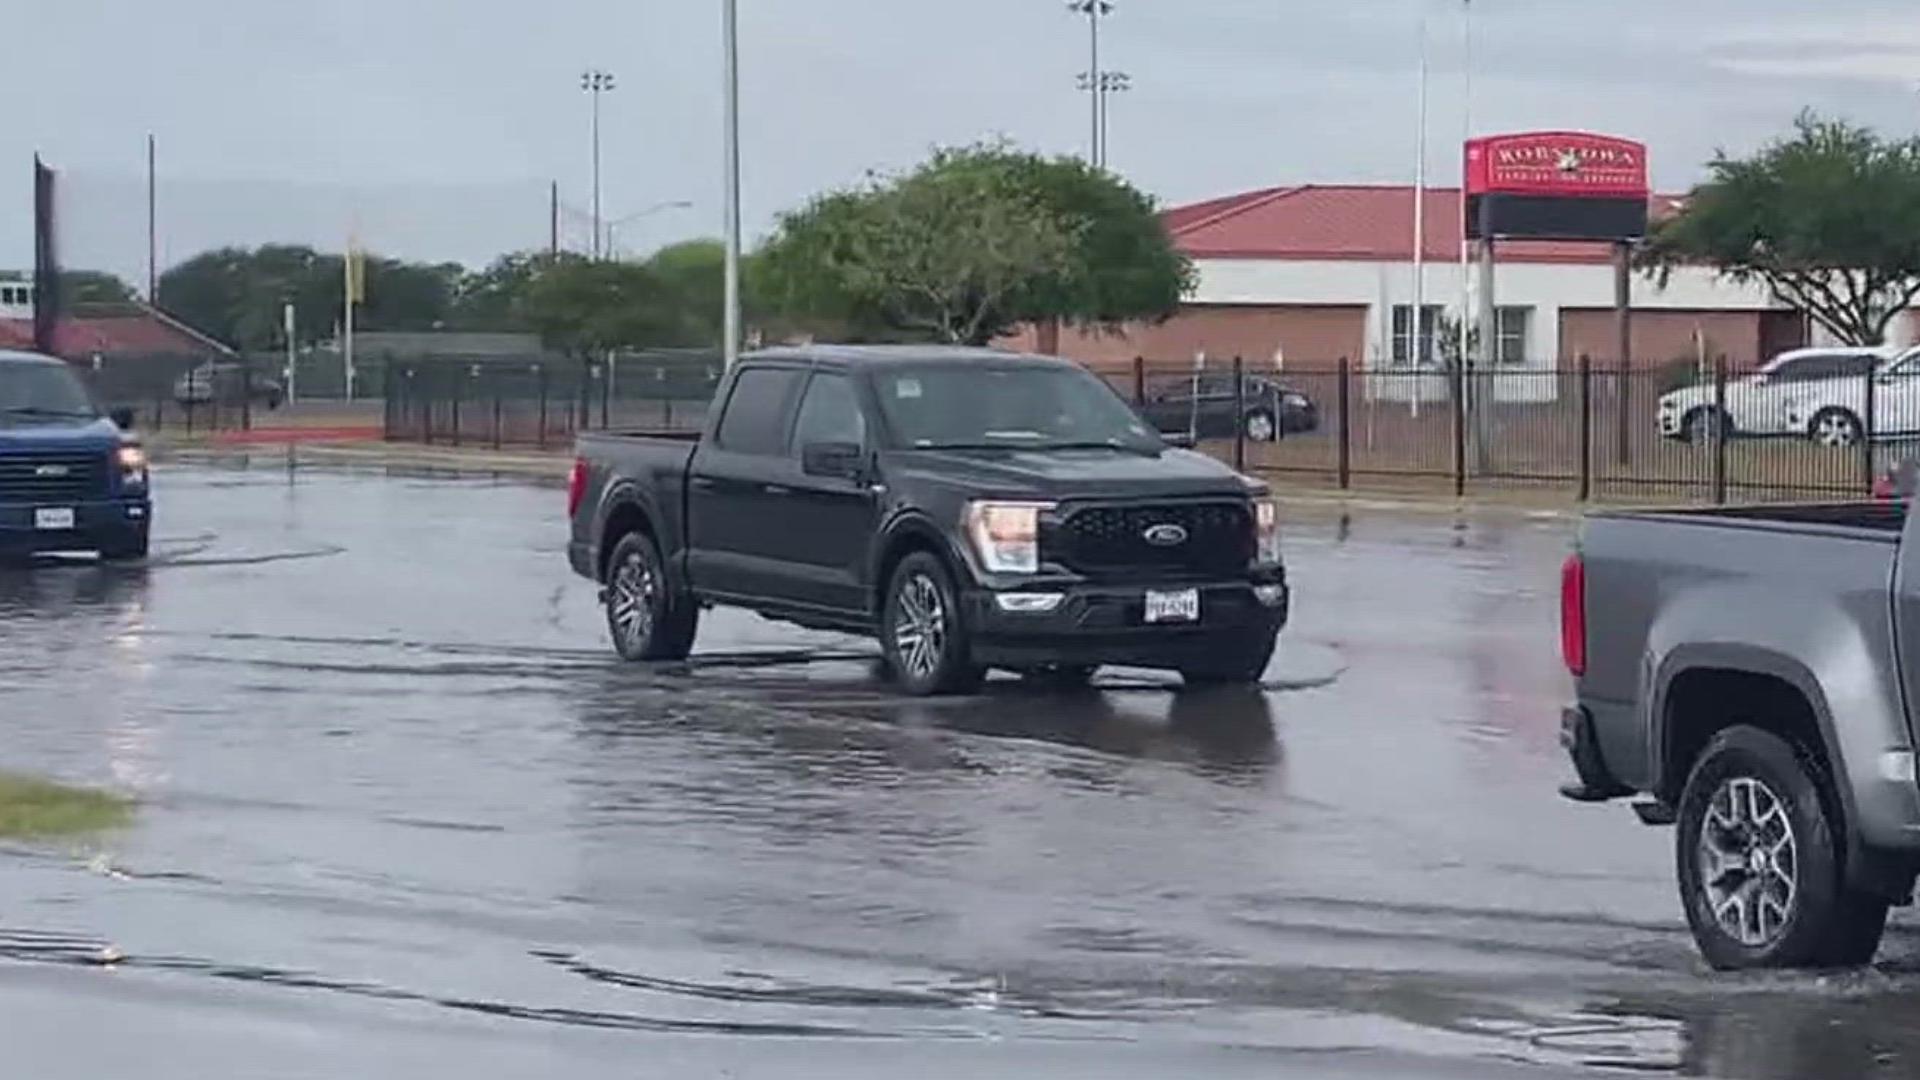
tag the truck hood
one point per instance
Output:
(100, 434)
(1067, 474)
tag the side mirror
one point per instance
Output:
(1182, 439)
(831, 459)
(122, 418)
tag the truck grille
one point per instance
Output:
(1105, 539)
(39, 476)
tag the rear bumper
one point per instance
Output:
(1596, 782)
(581, 556)
(96, 525)
(1105, 624)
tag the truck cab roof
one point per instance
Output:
(877, 356)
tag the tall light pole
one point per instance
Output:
(1094, 10)
(730, 33)
(1415, 339)
(596, 82)
(1466, 246)
(674, 204)
(1110, 82)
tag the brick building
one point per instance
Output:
(1314, 274)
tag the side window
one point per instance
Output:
(753, 422)
(830, 413)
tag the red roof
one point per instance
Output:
(135, 330)
(1334, 222)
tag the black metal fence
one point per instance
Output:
(1587, 430)
(1590, 430)
(541, 401)
(158, 390)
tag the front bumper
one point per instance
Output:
(96, 525)
(1101, 623)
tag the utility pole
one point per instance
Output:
(153, 230)
(596, 82)
(1095, 10)
(730, 33)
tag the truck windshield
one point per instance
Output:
(42, 391)
(977, 406)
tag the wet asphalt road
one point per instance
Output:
(404, 814)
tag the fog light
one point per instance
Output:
(1270, 595)
(1897, 766)
(1029, 603)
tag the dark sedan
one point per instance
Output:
(1206, 407)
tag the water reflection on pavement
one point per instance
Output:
(402, 806)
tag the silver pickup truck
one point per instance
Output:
(1746, 673)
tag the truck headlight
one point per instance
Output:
(1006, 535)
(132, 459)
(1266, 531)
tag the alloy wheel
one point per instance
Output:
(634, 590)
(1748, 862)
(920, 627)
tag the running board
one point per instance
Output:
(1651, 812)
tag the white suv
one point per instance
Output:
(1833, 412)
(1756, 403)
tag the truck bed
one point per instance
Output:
(1886, 518)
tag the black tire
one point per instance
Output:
(1766, 889)
(1701, 425)
(646, 618)
(1261, 425)
(923, 632)
(1835, 427)
(131, 549)
(1234, 661)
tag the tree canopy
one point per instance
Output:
(969, 245)
(1827, 218)
(94, 287)
(585, 308)
(236, 294)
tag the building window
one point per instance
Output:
(1403, 334)
(1510, 338)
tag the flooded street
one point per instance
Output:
(403, 813)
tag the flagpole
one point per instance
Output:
(346, 322)
(1416, 339)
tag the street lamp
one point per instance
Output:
(596, 82)
(1094, 10)
(675, 204)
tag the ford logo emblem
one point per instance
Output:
(50, 470)
(1165, 535)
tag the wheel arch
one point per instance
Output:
(904, 535)
(624, 510)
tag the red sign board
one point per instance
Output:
(1557, 163)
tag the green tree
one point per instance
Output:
(693, 275)
(972, 243)
(1827, 218)
(586, 308)
(237, 294)
(94, 287)
(494, 298)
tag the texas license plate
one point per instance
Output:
(1180, 606)
(53, 518)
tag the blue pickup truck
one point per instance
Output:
(71, 478)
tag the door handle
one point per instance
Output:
(776, 489)
(700, 483)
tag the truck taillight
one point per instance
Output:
(1573, 615)
(576, 486)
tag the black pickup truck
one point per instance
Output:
(968, 507)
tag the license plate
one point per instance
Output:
(1166, 607)
(61, 518)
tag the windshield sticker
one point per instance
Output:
(906, 389)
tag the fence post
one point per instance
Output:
(606, 395)
(1586, 427)
(1870, 424)
(459, 392)
(540, 378)
(496, 417)
(1240, 415)
(1139, 381)
(1720, 424)
(1623, 422)
(1461, 388)
(246, 392)
(1346, 428)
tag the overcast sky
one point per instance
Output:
(435, 125)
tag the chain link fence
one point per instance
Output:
(543, 401)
